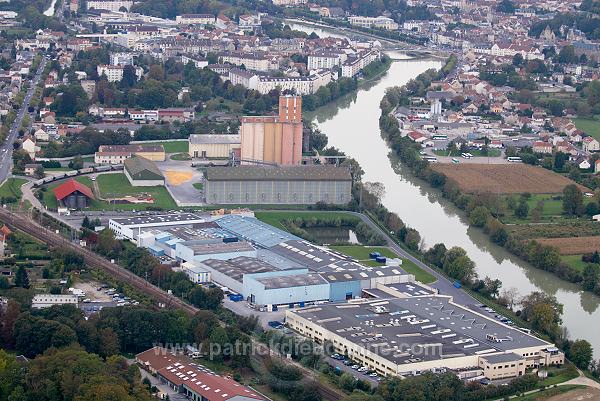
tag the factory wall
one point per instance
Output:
(283, 296)
(269, 140)
(187, 254)
(377, 362)
(277, 192)
(212, 150)
(222, 279)
(340, 290)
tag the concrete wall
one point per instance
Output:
(265, 139)
(339, 290)
(283, 296)
(277, 192)
(143, 183)
(213, 150)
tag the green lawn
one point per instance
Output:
(546, 394)
(12, 188)
(198, 185)
(574, 261)
(590, 126)
(361, 253)
(552, 208)
(275, 218)
(116, 185)
(174, 146)
(559, 375)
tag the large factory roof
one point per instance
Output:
(236, 268)
(334, 266)
(413, 329)
(279, 173)
(294, 280)
(208, 248)
(163, 219)
(254, 230)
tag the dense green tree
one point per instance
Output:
(458, 265)
(21, 277)
(580, 353)
(572, 200)
(522, 210)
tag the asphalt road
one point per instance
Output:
(7, 147)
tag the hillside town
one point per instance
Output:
(296, 200)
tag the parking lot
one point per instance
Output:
(93, 297)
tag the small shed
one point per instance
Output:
(142, 172)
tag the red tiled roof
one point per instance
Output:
(71, 186)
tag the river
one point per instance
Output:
(352, 125)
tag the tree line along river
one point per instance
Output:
(352, 125)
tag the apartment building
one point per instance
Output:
(325, 59)
(114, 73)
(374, 22)
(195, 19)
(111, 5)
(257, 61)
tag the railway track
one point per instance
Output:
(91, 259)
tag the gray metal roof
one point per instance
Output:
(295, 280)
(140, 168)
(162, 219)
(281, 173)
(407, 325)
(501, 358)
(197, 139)
(208, 248)
(236, 268)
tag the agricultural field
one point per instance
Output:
(574, 261)
(565, 229)
(504, 178)
(549, 209)
(590, 126)
(573, 245)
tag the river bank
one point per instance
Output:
(352, 125)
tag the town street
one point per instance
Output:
(7, 147)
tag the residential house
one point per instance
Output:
(590, 144)
(542, 147)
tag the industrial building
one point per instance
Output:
(193, 380)
(259, 185)
(142, 172)
(399, 336)
(40, 301)
(274, 139)
(117, 154)
(73, 195)
(131, 227)
(198, 251)
(213, 146)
